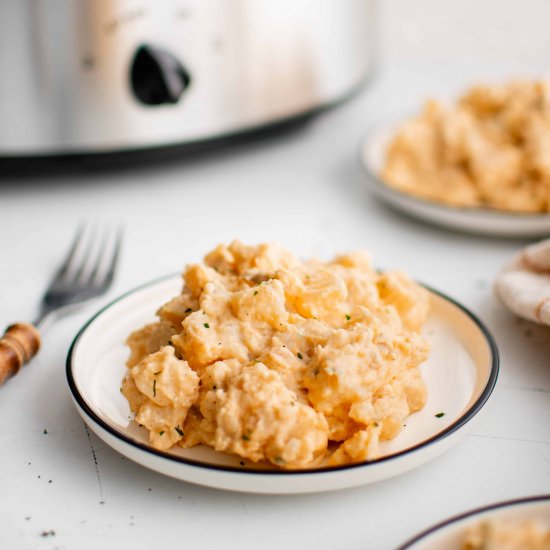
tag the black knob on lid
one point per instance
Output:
(157, 77)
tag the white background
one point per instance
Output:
(305, 190)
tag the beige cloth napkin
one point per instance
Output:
(524, 285)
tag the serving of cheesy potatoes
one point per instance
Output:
(288, 362)
(491, 149)
(500, 535)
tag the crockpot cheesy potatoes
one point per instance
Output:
(500, 535)
(289, 362)
(490, 149)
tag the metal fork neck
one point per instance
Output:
(44, 319)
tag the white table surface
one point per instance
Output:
(306, 191)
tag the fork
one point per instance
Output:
(86, 273)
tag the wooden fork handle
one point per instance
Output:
(18, 346)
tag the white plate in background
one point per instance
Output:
(460, 374)
(450, 533)
(484, 221)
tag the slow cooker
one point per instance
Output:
(97, 76)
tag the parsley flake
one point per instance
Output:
(206, 325)
(439, 415)
(348, 317)
(179, 430)
(188, 310)
(161, 432)
(299, 355)
(45, 432)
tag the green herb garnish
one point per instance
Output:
(161, 433)
(299, 355)
(179, 430)
(348, 317)
(206, 325)
(439, 415)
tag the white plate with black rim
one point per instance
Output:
(485, 221)
(460, 375)
(450, 533)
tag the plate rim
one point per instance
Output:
(450, 430)
(378, 184)
(470, 513)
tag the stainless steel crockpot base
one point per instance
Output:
(69, 83)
